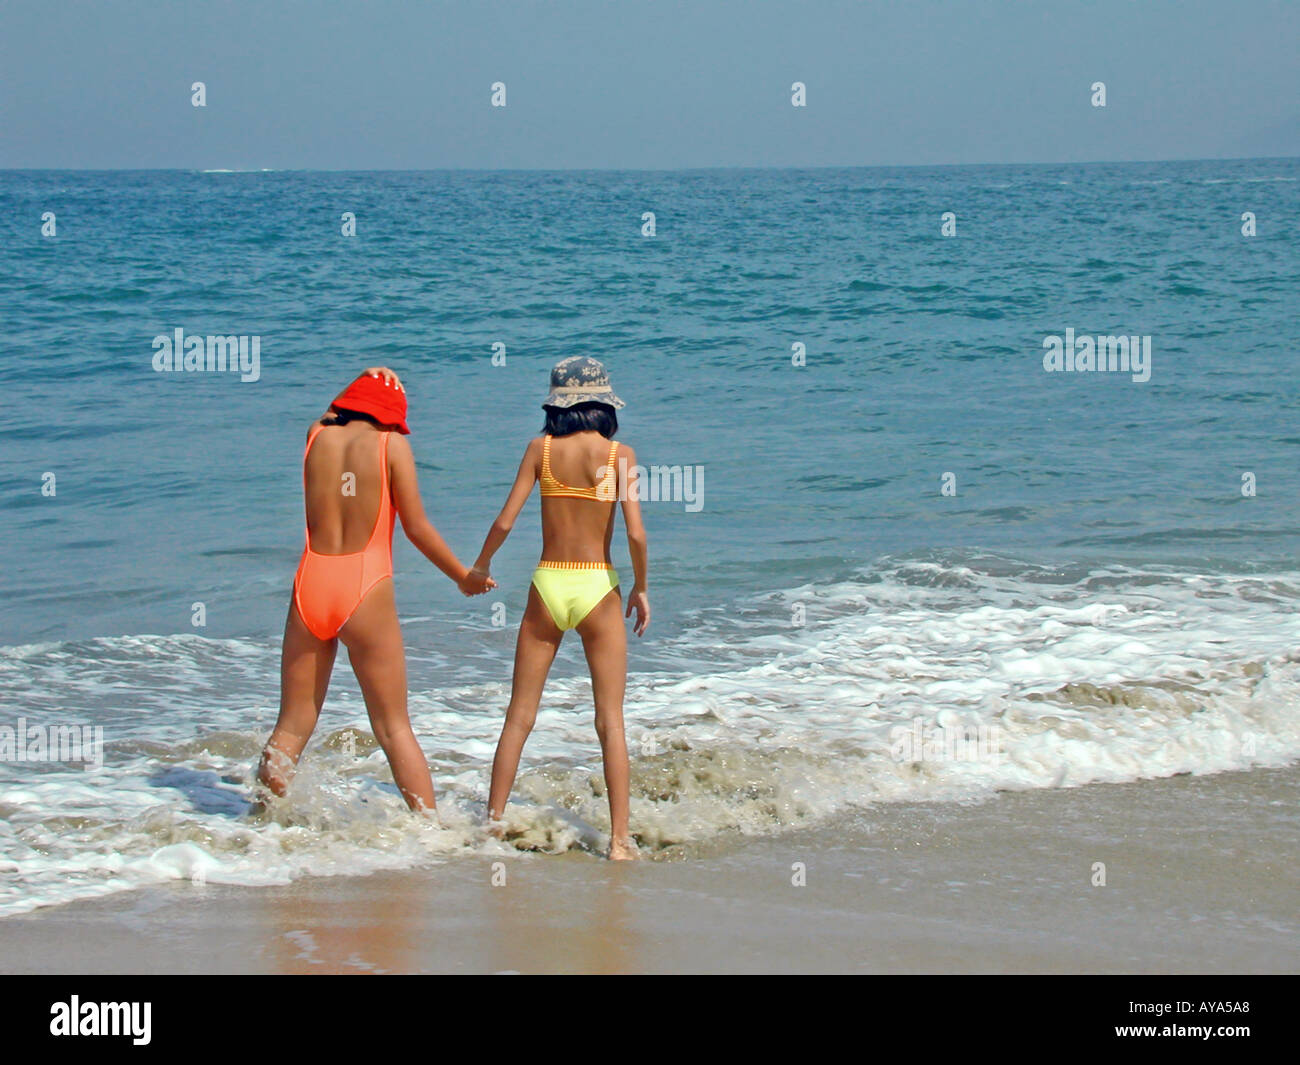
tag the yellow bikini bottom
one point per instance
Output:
(571, 589)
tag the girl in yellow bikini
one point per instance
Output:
(583, 472)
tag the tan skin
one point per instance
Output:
(574, 530)
(341, 524)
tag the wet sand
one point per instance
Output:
(1201, 877)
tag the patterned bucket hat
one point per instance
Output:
(580, 379)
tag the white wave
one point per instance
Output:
(1009, 680)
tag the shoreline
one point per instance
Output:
(1001, 886)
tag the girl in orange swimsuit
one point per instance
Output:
(327, 589)
(358, 478)
(575, 585)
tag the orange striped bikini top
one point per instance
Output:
(606, 491)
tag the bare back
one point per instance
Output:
(343, 483)
(578, 530)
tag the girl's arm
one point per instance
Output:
(639, 598)
(519, 493)
(419, 530)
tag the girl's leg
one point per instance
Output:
(373, 638)
(305, 666)
(539, 639)
(605, 642)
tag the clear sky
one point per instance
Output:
(406, 84)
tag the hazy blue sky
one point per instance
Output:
(642, 83)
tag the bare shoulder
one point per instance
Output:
(399, 448)
(625, 452)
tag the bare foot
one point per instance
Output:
(623, 850)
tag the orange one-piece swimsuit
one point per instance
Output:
(329, 588)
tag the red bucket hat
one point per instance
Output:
(378, 397)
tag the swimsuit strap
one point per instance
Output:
(312, 433)
(552, 486)
(613, 454)
(385, 495)
(546, 458)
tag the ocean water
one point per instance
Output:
(1098, 601)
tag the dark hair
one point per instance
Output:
(561, 421)
(340, 416)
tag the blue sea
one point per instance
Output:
(906, 521)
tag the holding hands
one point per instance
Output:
(475, 582)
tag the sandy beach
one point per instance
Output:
(1200, 879)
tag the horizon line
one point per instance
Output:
(624, 169)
